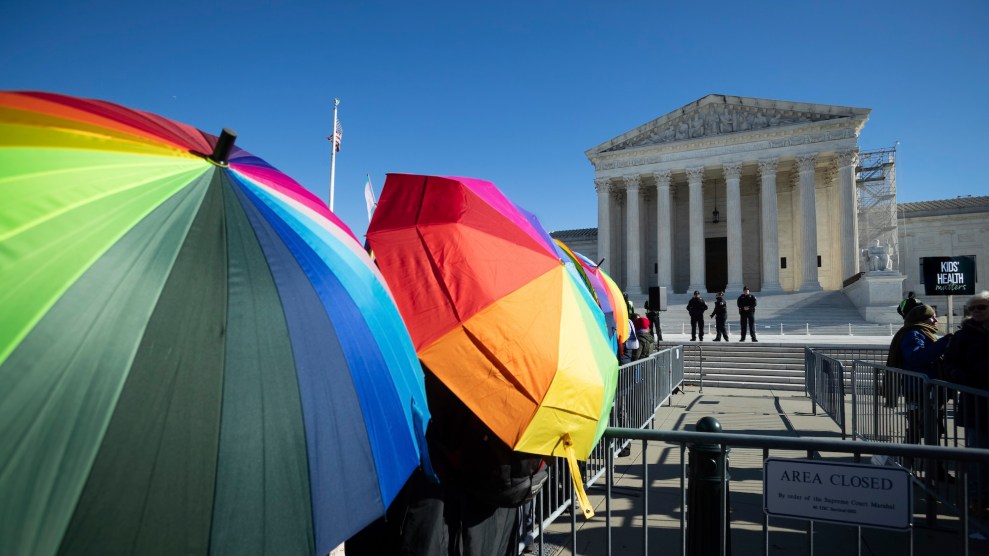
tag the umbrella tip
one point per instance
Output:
(223, 146)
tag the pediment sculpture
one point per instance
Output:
(722, 119)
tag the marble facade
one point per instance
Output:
(781, 175)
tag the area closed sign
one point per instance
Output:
(949, 275)
(866, 495)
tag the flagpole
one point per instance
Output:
(333, 151)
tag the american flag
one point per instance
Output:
(337, 136)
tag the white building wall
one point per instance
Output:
(943, 235)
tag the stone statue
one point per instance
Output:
(745, 122)
(726, 121)
(878, 257)
(682, 131)
(696, 126)
(711, 123)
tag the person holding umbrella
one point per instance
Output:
(470, 507)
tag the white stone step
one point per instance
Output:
(754, 365)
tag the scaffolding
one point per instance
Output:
(875, 186)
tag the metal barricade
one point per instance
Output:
(897, 417)
(839, 451)
(826, 378)
(959, 417)
(643, 387)
(896, 406)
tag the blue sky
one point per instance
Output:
(512, 92)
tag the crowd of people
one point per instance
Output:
(960, 357)
(697, 308)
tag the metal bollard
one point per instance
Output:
(708, 526)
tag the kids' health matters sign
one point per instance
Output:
(949, 275)
(857, 494)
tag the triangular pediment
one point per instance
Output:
(718, 115)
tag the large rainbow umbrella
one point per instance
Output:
(606, 293)
(495, 313)
(196, 357)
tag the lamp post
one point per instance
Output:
(716, 215)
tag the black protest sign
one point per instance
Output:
(949, 275)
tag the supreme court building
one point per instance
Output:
(731, 191)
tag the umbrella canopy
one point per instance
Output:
(606, 293)
(494, 312)
(195, 355)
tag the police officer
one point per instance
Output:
(720, 315)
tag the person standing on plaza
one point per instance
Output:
(720, 315)
(696, 307)
(652, 313)
(628, 350)
(645, 337)
(907, 305)
(916, 347)
(746, 313)
(966, 362)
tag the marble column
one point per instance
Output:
(664, 230)
(808, 224)
(633, 255)
(733, 179)
(603, 187)
(695, 179)
(770, 235)
(848, 212)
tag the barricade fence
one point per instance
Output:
(899, 418)
(826, 378)
(897, 406)
(824, 382)
(789, 328)
(837, 452)
(643, 387)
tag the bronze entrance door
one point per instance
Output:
(716, 263)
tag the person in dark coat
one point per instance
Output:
(966, 362)
(473, 509)
(652, 313)
(720, 315)
(907, 305)
(916, 347)
(696, 307)
(646, 340)
(746, 313)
